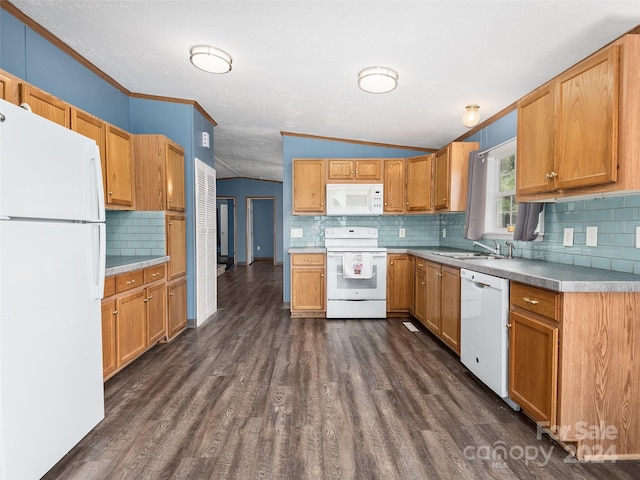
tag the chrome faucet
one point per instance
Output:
(511, 247)
(495, 250)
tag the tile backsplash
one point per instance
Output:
(615, 217)
(135, 233)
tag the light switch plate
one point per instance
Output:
(401, 233)
(592, 236)
(567, 240)
(637, 237)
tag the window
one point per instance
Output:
(501, 208)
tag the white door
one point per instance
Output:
(249, 231)
(224, 230)
(206, 261)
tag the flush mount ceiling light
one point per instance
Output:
(472, 116)
(211, 59)
(377, 79)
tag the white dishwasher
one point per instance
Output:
(484, 336)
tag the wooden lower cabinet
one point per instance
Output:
(308, 285)
(450, 308)
(399, 284)
(108, 337)
(420, 291)
(156, 313)
(434, 289)
(176, 307)
(131, 329)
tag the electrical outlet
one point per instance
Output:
(401, 233)
(296, 233)
(444, 233)
(567, 240)
(258, 247)
(592, 236)
(637, 237)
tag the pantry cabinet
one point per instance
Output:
(308, 285)
(308, 187)
(45, 104)
(176, 307)
(451, 176)
(399, 283)
(159, 173)
(577, 134)
(356, 170)
(119, 168)
(176, 246)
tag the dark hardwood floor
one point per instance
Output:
(254, 394)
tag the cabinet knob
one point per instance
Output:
(146, 300)
(509, 325)
(439, 274)
(385, 204)
(155, 274)
(528, 300)
(424, 283)
(115, 312)
(391, 262)
(421, 264)
(131, 282)
(109, 193)
(171, 294)
(551, 175)
(322, 204)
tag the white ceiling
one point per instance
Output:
(295, 63)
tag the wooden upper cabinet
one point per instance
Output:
(45, 105)
(359, 170)
(586, 120)
(308, 187)
(94, 128)
(393, 186)
(535, 141)
(451, 176)
(418, 184)
(7, 88)
(159, 173)
(119, 168)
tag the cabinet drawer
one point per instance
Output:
(537, 300)
(129, 280)
(421, 265)
(306, 259)
(153, 274)
(109, 286)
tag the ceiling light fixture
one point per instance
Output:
(472, 116)
(377, 79)
(211, 59)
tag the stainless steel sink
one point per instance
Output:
(469, 255)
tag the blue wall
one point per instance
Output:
(241, 188)
(32, 58)
(304, 147)
(263, 228)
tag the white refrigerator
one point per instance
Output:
(52, 260)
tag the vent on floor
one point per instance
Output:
(410, 326)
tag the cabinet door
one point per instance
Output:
(176, 245)
(450, 307)
(368, 170)
(393, 188)
(434, 290)
(94, 128)
(308, 186)
(441, 180)
(533, 366)
(587, 122)
(108, 337)
(418, 184)
(399, 283)
(6, 88)
(45, 105)
(176, 307)
(420, 298)
(156, 313)
(308, 288)
(535, 142)
(340, 169)
(175, 179)
(131, 331)
(119, 167)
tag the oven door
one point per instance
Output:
(340, 287)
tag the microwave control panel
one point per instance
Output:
(376, 200)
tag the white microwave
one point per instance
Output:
(354, 199)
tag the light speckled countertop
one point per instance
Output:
(123, 264)
(553, 276)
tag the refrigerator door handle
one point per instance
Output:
(97, 168)
(99, 260)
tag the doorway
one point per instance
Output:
(226, 215)
(261, 229)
